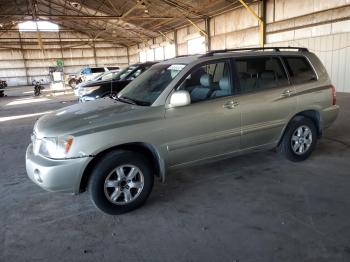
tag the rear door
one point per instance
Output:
(265, 97)
(210, 125)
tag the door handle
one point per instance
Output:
(287, 93)
(230, 104)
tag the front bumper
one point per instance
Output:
(55, 175)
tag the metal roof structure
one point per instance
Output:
(119, 21)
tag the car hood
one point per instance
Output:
(96, 83)
(102, 114)
(92, 83)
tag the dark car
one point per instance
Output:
(88, 73)
(107, 85)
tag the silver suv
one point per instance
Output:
(183, 111)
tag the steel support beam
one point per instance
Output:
(198, 28)
(24, 59)
(128, 55)
(262, 27)
(167, 38)
(261, 18)
(207, 29)
(94, 50)
(176, 43)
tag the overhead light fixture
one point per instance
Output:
(75, 4)
(141, 3)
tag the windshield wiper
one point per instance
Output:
(126, 100)
(132, 101)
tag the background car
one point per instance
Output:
(88, 73)
(110, 84)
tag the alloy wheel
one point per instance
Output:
(124, 184)
(301, 140)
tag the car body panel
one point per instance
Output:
(55, 175)
(265, 115)
(207, 129)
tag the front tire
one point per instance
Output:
(121, 182)
(299, 139)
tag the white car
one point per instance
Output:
(87, 74)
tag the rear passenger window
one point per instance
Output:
(97, 70)
(208, 82)
(300, 70)
(260, 73)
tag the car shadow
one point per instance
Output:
(241, 169)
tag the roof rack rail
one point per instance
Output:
(276, 49)
(181, 56)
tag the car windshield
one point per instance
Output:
(124, 73)
(145, 89)
(99, 76)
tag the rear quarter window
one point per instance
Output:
(300, 70)
(97, 70)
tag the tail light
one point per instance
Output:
(334, 95)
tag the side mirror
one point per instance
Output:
(180, 98)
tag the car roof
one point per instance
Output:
(145, 63)
(228, 53)
(182, 59)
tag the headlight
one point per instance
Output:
(53, 147)
(88, 90)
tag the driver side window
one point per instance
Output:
(208, 82)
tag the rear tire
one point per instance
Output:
(299, 139)
(121, 182)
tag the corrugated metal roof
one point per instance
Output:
(121, 21)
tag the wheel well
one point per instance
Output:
(147, 150)
(313, 115)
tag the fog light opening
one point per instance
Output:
(37, 176)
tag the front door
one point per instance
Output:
(210, 125)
